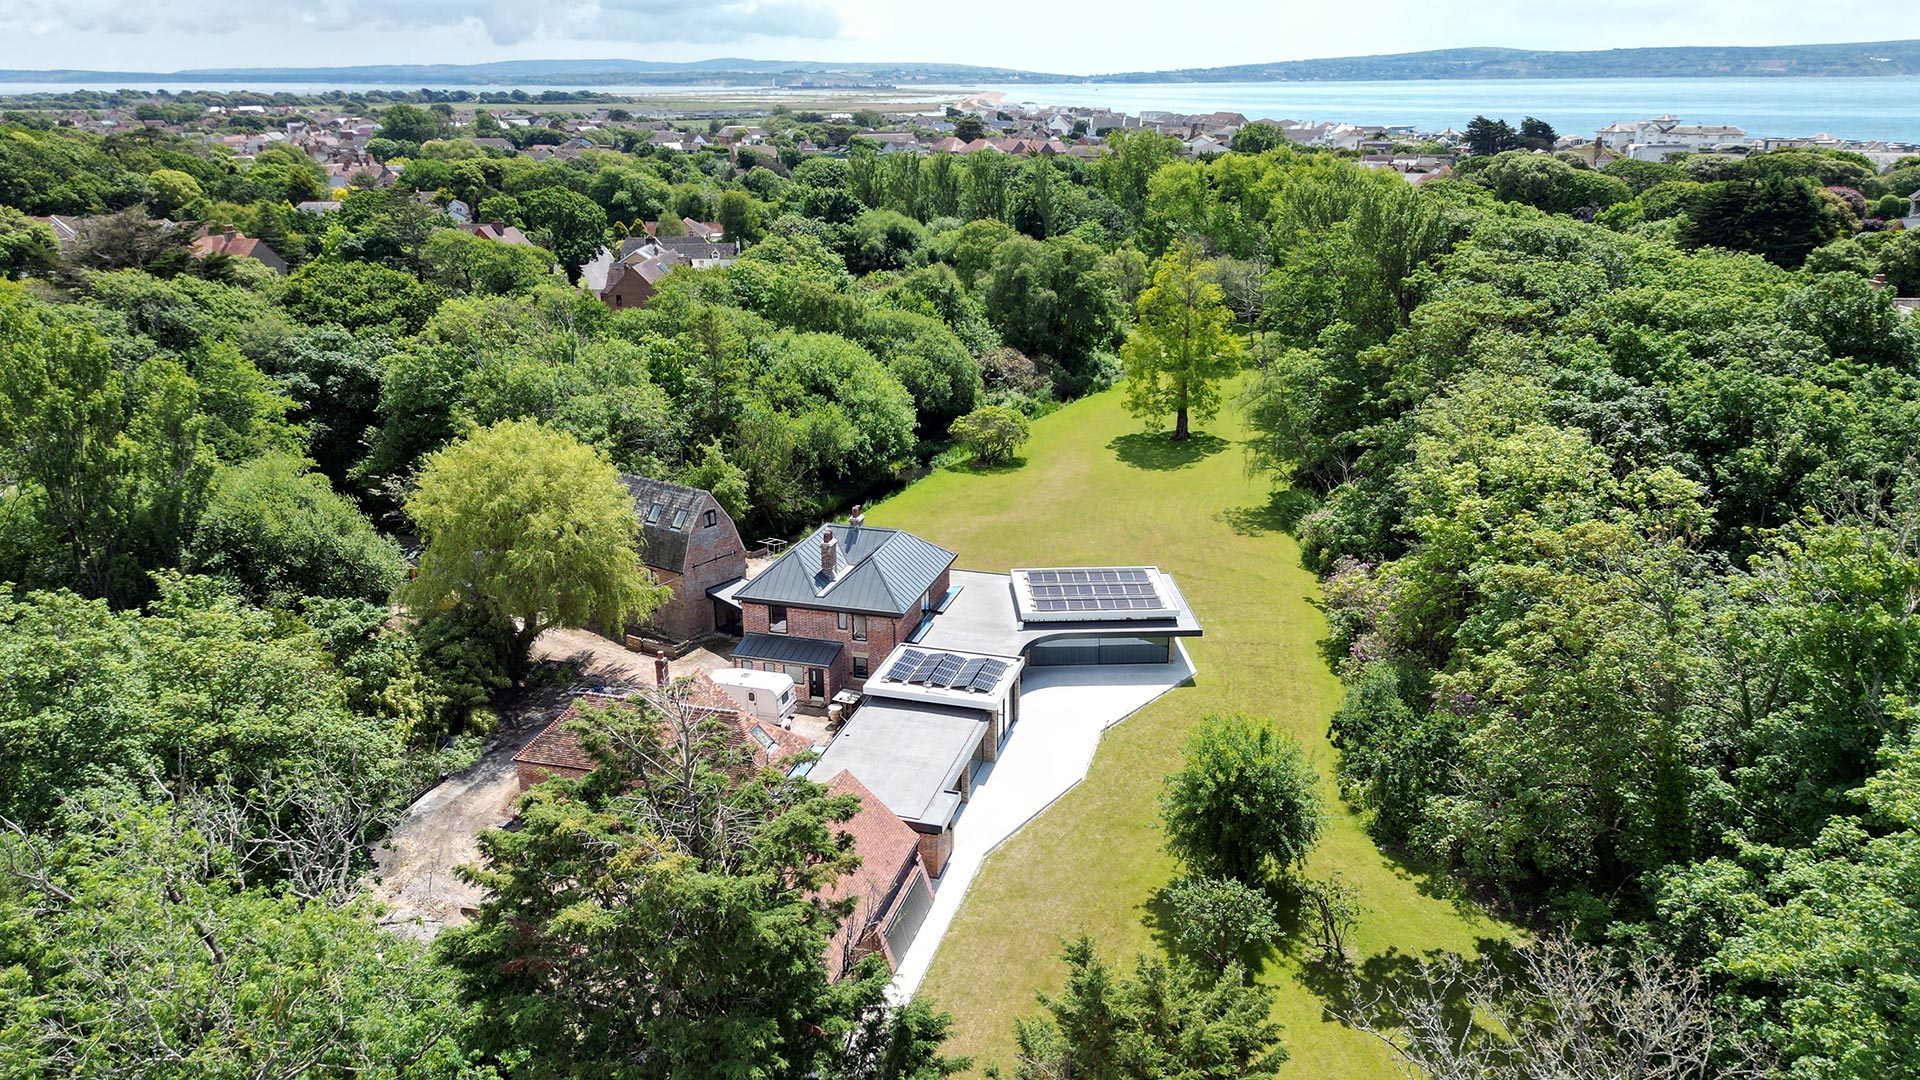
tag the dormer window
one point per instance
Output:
(679, 519)
(653, 513)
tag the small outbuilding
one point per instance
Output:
(691, 544)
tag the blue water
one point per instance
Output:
(1885, 108)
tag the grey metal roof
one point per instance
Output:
(909, 755)
(662, 545)
(782, 649)
(882, 572)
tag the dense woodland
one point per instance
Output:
(1610, 476)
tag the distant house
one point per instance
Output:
(231, 243)
(501, 145)
(628, 278)
(631, 282)
(498, 231)
(694, 548)
(837, 602)
(64, 228)
(318, 207)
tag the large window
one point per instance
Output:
(859, 628)
(776, 619)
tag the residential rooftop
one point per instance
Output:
(877, 571)
(914, 756)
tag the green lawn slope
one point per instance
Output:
(1095, 489)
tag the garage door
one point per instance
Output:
(1064, 652)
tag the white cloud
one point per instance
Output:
(502, 22)
(1078, 36)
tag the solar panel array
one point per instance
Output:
(1125, 589)
(946, 671)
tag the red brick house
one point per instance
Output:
(498, 231)
(631, 283)
(558, 751)
(890, 890)
(837, 603)
(232, 244)
(694, 548)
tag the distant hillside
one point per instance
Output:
(1867, 58)
(719, 72)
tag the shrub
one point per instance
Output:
(992, 433)
(1246, 805)
(1219, 919)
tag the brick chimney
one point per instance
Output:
(228, 232)
(829, 553)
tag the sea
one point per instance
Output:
(1861, 109)
(1847, 108)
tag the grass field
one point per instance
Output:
(1095, 489)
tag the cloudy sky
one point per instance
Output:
(1071, 36)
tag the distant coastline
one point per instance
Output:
(1850, 60)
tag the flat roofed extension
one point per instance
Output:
(911, 755)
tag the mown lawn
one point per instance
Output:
(1095, 490)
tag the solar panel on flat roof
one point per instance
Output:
(988, 675)
(944, 670)
(942, 676)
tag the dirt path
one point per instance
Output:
(605, 659)
(415, 877)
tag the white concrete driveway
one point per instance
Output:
(1063, 710)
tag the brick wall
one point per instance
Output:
(935, 850)
(629, 291)
(715, 556)
(822, 625)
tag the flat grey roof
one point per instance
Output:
(909, 755)
(983, 619)
(782, 649)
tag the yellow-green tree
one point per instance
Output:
(532, 525)
(1183, 344)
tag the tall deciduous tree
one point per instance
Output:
(533, 525)
(1183, 344)
(568, 224)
